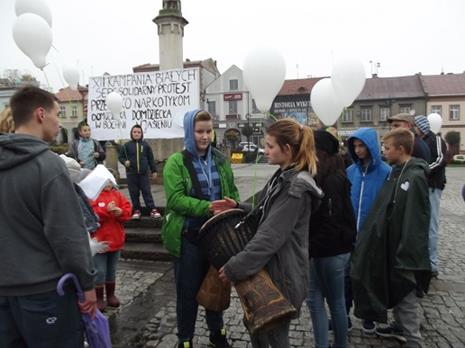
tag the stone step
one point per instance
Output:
(145, 251)
(144, 222)
(143, 235)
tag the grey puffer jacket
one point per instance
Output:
(281, 241)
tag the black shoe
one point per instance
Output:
(393, 330)
(185, 344)
(368, 327)
(218, 340)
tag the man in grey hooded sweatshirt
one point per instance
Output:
(42, 233)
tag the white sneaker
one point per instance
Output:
(136, 215)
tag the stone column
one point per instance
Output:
(111, 160)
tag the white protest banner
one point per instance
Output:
(156, 100)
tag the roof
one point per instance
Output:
(392, 87)
(298, 86)
(68, 95)
(444, 85)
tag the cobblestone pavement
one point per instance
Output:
(442, 310)
(129, 285)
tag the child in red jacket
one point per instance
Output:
(113, 209)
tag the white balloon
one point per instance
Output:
(71, 75)
(264, 73)
(435, 122)
(325, 102)
(38, 7)
(114, 102)
(33, 36)
(348, 78)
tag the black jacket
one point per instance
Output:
(332, 227)
(421, 149)
(437, 164)
(140, 156)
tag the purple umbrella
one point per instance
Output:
(97, 330)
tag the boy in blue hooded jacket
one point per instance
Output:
(367, 175)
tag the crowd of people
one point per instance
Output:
(362, 235)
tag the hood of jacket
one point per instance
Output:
(141, 132)
(15, 149)
(370, 138)
(189, 136)
(413, 163)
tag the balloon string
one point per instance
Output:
(63, 83)
(46, 78)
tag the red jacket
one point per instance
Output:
(111, 227)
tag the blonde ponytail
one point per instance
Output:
(300, 138)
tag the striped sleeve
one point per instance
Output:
(439, 154)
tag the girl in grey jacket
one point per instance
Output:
(281, 241)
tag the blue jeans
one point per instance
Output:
(138, 183)
(435, 201)
(106, 267)
(190, 270)
(327, 282)
(41, 321)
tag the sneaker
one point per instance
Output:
(392, 330)
(218, 340)
(368, 327)
(137, 214)
(154, 214)
(185, 344)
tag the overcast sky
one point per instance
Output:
(405, 36)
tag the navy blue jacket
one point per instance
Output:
(139, 153)
(366, 182)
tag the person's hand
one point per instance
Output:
(222, 205)
(223, 277)
(127, 164)
(96, 155)
(117, 211)
(89, 306)
(111, 206)
(154, 175)
(81, 163)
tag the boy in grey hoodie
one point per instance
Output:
(42, 236)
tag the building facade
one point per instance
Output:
(446, 97)
(381, 98)
(232, 107)
(293, 101)
(73, 108)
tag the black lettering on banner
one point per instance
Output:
(156, 124)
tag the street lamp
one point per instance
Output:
(247, 116)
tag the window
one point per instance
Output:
(233, 85)
(74, 111)
(347, 116)
(62, 111)
(212, 107)
(384, 113)
(454, 112)
(366, 114)
(405, 108)
(436, 109)
(233, 107)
